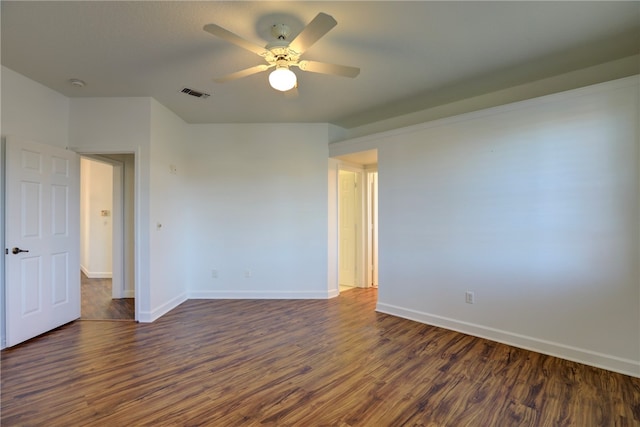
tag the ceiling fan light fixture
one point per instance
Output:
(282, 79)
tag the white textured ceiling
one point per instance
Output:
(407, 51)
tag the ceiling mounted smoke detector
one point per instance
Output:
(77, 83)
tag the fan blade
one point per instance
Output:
(243, 73)
(318, 27)
(234, 38)
(324, 68)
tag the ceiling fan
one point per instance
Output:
(282, 54)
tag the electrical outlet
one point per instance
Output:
(469, 297)
(214, 274)
(247, 273)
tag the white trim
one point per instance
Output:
(139, 251)
(348, 166)
(368, 142)
(151, 316)
(262, 294)
(96, 274)
(117, 234)
(332, 223)
(587, 357)
(371, 199)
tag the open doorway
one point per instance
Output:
(357, 221)
(349, 221)
(106, 237)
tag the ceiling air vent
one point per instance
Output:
(195, 93)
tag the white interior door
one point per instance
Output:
(348, 221)
(42, 239)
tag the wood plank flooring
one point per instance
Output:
(298, 363)
(97, 303)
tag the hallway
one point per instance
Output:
(97, 303)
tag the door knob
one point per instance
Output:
(18, 250)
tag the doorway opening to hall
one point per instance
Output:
(106, 237)
(357, 221)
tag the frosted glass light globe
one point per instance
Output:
(282, 79)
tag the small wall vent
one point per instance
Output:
(195, 93)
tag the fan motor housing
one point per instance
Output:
(280, 31)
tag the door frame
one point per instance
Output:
(371, 200)
(369, 249)
(136, 219)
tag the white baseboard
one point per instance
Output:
(258, 295)
(96, 274)
(587, 357)
(125, 294)
(151, 316)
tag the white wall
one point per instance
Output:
(333, 223)
(96, 195)
(169, 251)
(33, 111)
(122, 125)
(534, 206)
(257, 200)
(156, 136)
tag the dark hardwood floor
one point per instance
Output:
(298, 363)
(97, 303)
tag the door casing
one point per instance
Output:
(128, 264)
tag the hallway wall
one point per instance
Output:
(96, 213)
